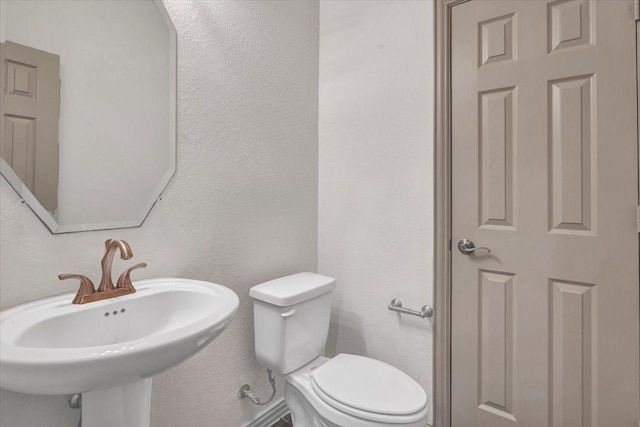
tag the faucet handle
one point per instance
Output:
(86, 286)
(124, 282)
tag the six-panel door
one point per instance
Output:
(544, 173)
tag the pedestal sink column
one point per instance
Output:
(124, 406)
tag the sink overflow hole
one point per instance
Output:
(114, 312)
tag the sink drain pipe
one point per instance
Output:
(75, 402)
(245, 391)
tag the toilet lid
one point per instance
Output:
(369, 385)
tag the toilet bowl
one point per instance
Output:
(291, 321)
(387, 398)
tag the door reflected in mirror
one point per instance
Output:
(87, 109)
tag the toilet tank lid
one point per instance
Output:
(290, 290)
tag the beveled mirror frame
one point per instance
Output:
(50, 222)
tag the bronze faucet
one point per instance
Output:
(88, 293)
(110, 248)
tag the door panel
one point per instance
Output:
(570, 153)
(544, 173)
(29, 112)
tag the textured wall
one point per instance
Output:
(375, 196)
(241, 209)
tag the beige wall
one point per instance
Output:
(241, 209)
(375, 210)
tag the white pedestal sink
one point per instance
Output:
(109, 350)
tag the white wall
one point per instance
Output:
(114, 100)
(375, 193)
(241, 209)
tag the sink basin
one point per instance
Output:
(52, 346)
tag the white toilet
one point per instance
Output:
(291, 321)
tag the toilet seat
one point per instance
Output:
(369, 389)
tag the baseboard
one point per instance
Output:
(270, 415)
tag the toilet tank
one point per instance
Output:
(291, 320)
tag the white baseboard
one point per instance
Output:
(270, 415)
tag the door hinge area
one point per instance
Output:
(636, 9)
(638, 222)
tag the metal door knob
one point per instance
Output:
(467, 247)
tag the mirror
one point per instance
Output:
(88, 136)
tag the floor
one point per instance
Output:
(283, 422)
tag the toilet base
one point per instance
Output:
(302, 413)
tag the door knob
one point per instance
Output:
(467, 247)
